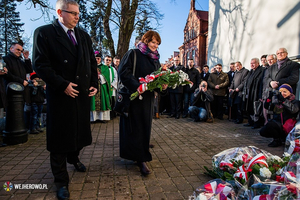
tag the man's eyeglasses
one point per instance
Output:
(71, 12)
(21, 50)
(280, 53)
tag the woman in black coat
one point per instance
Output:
(135, 129)
(284, 106)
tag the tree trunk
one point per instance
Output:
(107, 28)
(128, 13)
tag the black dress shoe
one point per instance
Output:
(170, 116)
(151, 146)
(247, 125)
(63, 193)
(237, 122)
(275, 143)
(255, 126)
(144, 168)
(177, 117)
(196, 120)
(79, 167)
(184, 116)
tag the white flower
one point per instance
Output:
(286, 154)
(276, 158)
(265, 172)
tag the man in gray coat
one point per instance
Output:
(64, 58)
(236, 89)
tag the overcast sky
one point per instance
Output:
(171, 30)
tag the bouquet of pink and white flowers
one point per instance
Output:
(160, 77)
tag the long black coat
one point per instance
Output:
(17, 70)
(288, 73)
(251, 88)
(57, 61)
(135, 130)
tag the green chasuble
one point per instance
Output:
(105, 92)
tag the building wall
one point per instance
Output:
(243, 29)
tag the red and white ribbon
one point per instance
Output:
(260, 159)
(216, 188)
(223, 164)
(142, 88)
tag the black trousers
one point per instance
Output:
(217, 107)
(59, 166)
(272, 129)
(176, 103)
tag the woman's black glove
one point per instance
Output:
(281, 98)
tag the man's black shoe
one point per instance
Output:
(184, 116)
(275, 143)
(237, 122)
(197, 120)
(79, 167)
(170, 116)
(248, 124)
(177, 117)
(63, 193)
(255, 126)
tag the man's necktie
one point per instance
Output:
(71, 37)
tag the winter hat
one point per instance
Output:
(33, 76)
(286, 86)
(98, 54)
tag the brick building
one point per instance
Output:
(195, 37)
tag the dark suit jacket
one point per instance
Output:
(58, 62)
(204, 78)
(288, 73)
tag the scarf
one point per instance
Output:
(146, 51)
(280, 62)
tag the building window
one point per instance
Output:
(193, 54)
(187, 57)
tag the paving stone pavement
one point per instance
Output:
(182, 148)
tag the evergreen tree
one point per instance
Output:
(96, 25)
(10, 23)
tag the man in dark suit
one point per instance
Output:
(283, 71)
(63, 57)
(177, 93)
(205, 73)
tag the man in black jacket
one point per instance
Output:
(17, 67)
(188, 92)
(283, 71)
(200, 107)
(177, 93)
(64, 58)
(251, 94)
(205, 73)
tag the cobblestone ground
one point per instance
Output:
(182, 148)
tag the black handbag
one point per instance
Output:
(123, 95)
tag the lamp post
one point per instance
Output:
(15, 130)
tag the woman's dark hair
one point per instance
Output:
(148, 36)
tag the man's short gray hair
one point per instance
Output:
(284, 49)
(64, 4)
(256, 59)
(273, 55)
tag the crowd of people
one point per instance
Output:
(240, 93)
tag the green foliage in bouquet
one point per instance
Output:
(172, 79)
